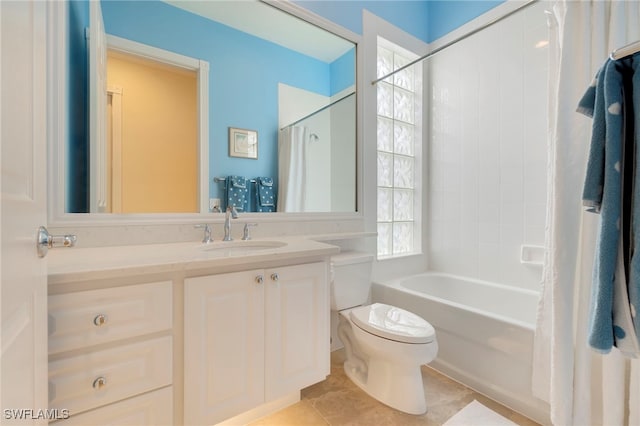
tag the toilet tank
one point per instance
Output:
(350, 279)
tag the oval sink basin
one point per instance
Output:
(229, 248)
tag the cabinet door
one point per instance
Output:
(297, 328)
(223, 346)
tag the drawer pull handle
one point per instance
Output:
(99, 383)
(275, 276)
(100, 320)
(259, 279)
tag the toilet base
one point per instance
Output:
(394, 385)
(387, 370)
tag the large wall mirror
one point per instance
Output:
(258, 110)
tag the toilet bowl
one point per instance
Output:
(384, 354)
(384, 345)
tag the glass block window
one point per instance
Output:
(399, 106)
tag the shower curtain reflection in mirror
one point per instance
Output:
(293, 142)
(315, 156)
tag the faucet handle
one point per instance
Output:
(206, 239)
(245, 233)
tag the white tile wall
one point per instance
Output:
(488, 142)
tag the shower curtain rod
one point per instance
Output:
(318, 110)
(469, 34)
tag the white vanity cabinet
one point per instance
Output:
(110, 354)
(185, 333)
(252, 337)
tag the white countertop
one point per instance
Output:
(75, 264)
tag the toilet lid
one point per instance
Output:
(393, 323)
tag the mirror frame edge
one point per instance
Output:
(57, 130)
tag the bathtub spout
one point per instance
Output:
(358, 364)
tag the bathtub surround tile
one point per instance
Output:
(496, 116)
(488, 212)
(534, 217)
(435, 209)
(488, 180)
(512, 214)
(452, 206)
(534, 235)
(469, 260)
(337, 401)
(489, 262)
(488, 233)
(535, 180)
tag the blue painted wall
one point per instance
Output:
(426, 20)
(410, 15)
(342, 72)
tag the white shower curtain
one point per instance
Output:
(582, 386)
(292, 165)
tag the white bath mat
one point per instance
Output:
(476, 414)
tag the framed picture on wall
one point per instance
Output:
(243, 143)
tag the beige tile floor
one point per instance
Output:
(337, 401)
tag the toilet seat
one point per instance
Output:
(393, 323)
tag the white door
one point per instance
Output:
(23, 312)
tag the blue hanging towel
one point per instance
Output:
(237, 192)
(634, 269)
(265, 195)
(610, 184)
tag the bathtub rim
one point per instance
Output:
(397, 284)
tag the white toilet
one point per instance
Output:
(384, 345)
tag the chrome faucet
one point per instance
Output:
(207, 233)
(231, 213)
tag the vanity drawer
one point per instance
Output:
(87, 381)
(91, 317)
(153, 408)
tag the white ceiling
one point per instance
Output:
(267, 22)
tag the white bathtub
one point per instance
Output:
(484, 331)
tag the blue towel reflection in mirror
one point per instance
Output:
(237, 192)
(265, 195)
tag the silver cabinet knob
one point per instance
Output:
(275, 277)
(259, 279)
(100, 320)
(99, 383)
